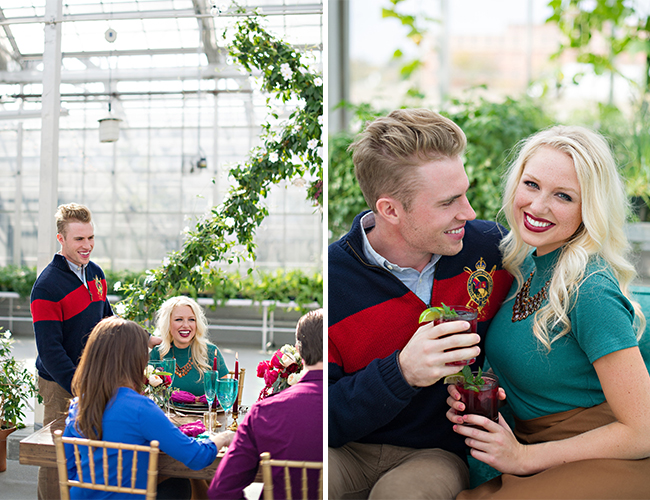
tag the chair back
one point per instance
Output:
(91, 482)
(240, 383)
(268, 463)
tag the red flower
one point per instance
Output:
(293, 368)
(276, 360)
(270, 377)
(262, 368)
(167, 380)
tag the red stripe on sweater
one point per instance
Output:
(374, 332)
(68, 307)
(378, 331)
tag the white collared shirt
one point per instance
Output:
(80, 271)
(420, 283)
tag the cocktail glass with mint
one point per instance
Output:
(479, 393)
(446, 314)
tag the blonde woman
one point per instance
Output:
(565, 342)
(182, 325)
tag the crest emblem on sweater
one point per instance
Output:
(479, 285)
(99, 286)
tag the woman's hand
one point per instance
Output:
(222, 439)
(495, 444)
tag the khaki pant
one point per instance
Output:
(377, 471)
(55, 404)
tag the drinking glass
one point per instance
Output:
(227, 393)
(169, 365)
(210, 379)
(463, 313)
(482, 400)
(153, 393)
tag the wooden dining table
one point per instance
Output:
(38, 449)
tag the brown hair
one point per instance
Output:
(72, 212)
(387, 152)
(309, 337)
(115, 356)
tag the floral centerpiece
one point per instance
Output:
(157, 382)
(281, 371)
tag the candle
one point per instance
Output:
(214, 368)
(235, 408)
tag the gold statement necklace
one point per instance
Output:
(184, 370)
(525, 305)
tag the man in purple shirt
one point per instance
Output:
(289, 425)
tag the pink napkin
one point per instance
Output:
(185, 397)
(193, 429)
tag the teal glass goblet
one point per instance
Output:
(210, 380)
(227, 393)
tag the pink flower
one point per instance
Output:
(276, 360)
(262, 368)
(270, 377)
(168, 380)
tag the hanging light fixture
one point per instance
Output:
(109, 126)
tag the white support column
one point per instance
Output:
(18, 201)
(49, 178)
(49, 173)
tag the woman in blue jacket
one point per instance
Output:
(109, 407)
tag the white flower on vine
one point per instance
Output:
(273, 157)
(312, 144)
(166, 262)
(141, 297)
(196, 269)
(185, 230)
(285, 71)
(120, 308)
(320, 120)
(149, 279)
(299, 182)
(117, 286)
(318, 81)
(230, 222)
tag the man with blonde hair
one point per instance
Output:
(418, 246)
(68, 299)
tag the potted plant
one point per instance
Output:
(17, 386)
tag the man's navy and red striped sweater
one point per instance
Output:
(372, 315)
(64, 312)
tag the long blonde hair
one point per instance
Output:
(115, 356)
(198, 345)
(604, 211)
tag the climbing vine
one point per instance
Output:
(290, 150)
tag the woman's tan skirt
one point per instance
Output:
(587, 479)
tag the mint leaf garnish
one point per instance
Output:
(473, 383)
(448, 311)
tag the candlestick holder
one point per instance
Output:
(234, 425)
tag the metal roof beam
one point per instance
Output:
(141, 52)
(266, 10)
(15, 55)
(128, 74)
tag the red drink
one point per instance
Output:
(463, 313)
(484, 401)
